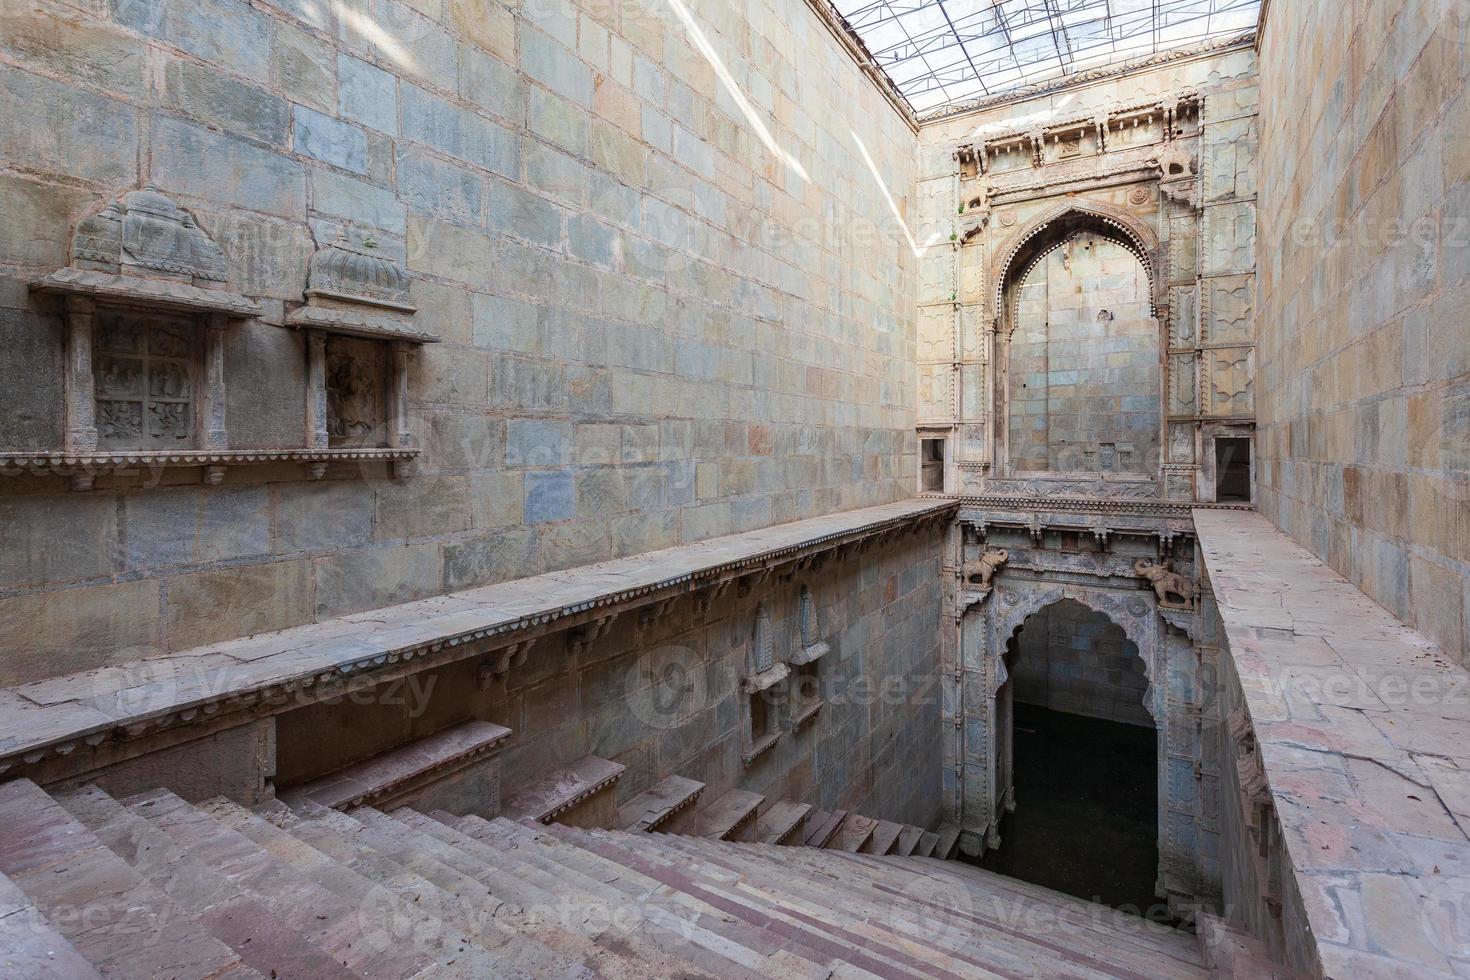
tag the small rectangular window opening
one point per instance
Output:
(1233, 471)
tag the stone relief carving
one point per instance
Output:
(982, 570)
(813, 647)
(1182, 385)
(1098, 489)
(1166, 582)
(354, 392)
(1229, 382)
(145, 230)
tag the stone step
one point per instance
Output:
(1232, 953)
(657, 807)
(928, 841)
(30, 946)
(822, 958)
(580, 794)
(266, 941)
(116, 919)
(921, 930)
(457, 900)
(731, 817)
(572, 919)
(782, 822)
(949, 836)
(853, 834)
(992, 891)
(908, 840)
(436, 771)
(883, 839)
(952, 917)
(411, 910)
(823, 826)
(732, 939)
(821, 922)
(651, 923)
(334, 925)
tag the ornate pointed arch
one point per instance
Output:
(1129, 611)
(1054, 227)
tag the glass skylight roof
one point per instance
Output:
(941, 52)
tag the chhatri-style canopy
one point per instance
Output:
(940, 53)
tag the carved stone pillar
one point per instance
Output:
(400, 436)
(316, 390)
(214, 434)
(80, 384)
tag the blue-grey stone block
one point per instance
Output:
(554, 66)
(367, 94)
(330, 140)
(199, 163)
(440, 188)
(537, 442)
(549, 496)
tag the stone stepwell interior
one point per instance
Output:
(673, 488)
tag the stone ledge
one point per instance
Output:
(393, 773)
(64, 720)
(559, 792)
(83, 468)
(133, 290)
(1370, 782)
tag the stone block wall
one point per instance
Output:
(672, 299)
(663, 698)
(1365, 279)
(1073, 659)
(1085, 364)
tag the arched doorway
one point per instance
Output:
(1076, 761)
(1080, 367)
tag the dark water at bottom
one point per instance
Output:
(1086, 817)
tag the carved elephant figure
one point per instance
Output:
(985, 567)
(1166, 582)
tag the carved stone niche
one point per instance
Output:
(360, 333)
(147, 306)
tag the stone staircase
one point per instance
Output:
(153, 886)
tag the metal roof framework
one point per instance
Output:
(941, 52)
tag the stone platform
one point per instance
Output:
(1359, 725)
(75, 724)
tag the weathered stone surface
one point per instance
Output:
(84, 627)
(87, 147)
(348, 581)
(220, 100)
(206, 607)
(45, 540)
(204, 164)
(168, 528)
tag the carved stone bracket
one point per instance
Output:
(1182, 618)
(580, 638)
(498, 663)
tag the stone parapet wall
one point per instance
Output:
(655, 241)
(1364, 391)
(1339, 736)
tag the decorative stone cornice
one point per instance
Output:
(157, 294)
(84, 468)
